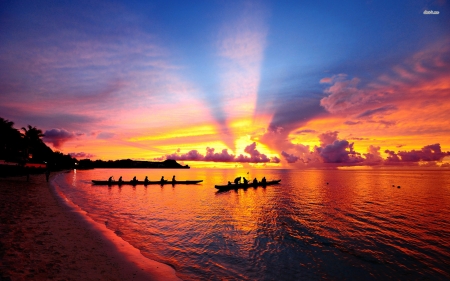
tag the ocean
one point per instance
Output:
(367, 224)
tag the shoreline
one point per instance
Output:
(44, 236)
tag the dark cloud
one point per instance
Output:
(81, 155)
(340, 151)
(431, 152)
(392, 156)
(383, 109)
(331, 150)
(57, 137)
(290, 158)
(383, 122)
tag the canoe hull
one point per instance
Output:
(237, 186)
(100, 182)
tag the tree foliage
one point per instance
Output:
(27, 146)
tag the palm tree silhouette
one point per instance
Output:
(10, 141)
(32, 137)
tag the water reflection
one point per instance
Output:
(316, 224)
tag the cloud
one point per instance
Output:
(290, 158)
(328, 138)
(218, 157)
(57, 137)
(340, 151)
(383, 122)
(192, 155)
(306, 131)
(327, 80)
(431, 152)
(373, 155)
(105, 135)
(223, 156)
(383, 109)
(343, 94)
(422, 76)
(351, 123)
(81, 155)
(331, 150)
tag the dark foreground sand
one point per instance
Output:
(43, 239)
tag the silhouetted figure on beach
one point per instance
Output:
(146, 180)
(237, 180)
(255, 181)
(47, 171)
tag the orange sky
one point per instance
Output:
(242, 84)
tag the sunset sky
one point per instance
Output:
(274, 83)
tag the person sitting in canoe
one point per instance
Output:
(162, 179)
(255, 181)
(237, 180)
(229, 182)
(146, 180)
(110, 179)
(134, 179)
(173, 179)
(245, 181)
(263, 181)
(120, 179)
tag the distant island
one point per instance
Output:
(128, 163)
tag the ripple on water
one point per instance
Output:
(356, 227)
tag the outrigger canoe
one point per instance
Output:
(242, 185)
(99, 182)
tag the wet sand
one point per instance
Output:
(42, 238)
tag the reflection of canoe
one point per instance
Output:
(241, 185)
(143, 182)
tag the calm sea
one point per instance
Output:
(317, 224)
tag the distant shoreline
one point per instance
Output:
(86, 164)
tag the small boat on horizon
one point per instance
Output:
(243, 185)
(106, 182)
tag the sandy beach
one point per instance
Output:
(41, 238)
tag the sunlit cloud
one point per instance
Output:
(254, 156)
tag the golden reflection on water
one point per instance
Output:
(317, 223)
